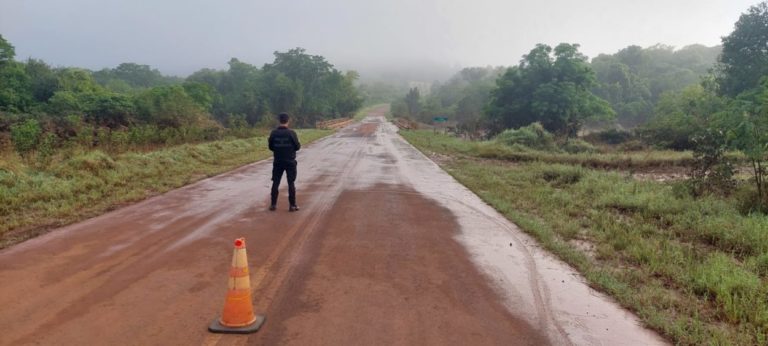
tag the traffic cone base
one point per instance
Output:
(217, 327)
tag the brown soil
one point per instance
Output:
(393, 277)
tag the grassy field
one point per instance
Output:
(632, 160)
(693, 269)
(81, 184)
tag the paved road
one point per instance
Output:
(387, 249)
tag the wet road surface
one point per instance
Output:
(387, 249)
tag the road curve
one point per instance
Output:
(387, 249)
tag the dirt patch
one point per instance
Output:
(362, 130)
(395, 276)
(662, 174)
(586, 247)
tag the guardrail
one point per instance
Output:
(333, 123)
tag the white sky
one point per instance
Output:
(181, 36)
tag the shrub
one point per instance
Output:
(532, 136)
(712, 171)
(26, 136)
(748, 200)
(575, 146)
(632, 145)
(610, 136)
(562, 175)
(169, 106)
(47, 147)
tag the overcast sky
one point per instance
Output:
(181, 36)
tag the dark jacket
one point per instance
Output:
(284, 143)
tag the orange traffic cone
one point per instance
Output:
(238, 317)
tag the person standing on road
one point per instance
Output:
(284, 144)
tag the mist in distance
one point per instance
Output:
(422, 40)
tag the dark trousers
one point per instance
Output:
(289, 167)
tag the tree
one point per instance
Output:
(745, 58)
(413, 102)
(137, 76)
(284, 93)
(469, 110)
(634, 79)
(204, 94)
(15, 93)
(462, 98)
(109, 109)
(625, 90)
(548, 86)
(168, 106)
(77, 81)
(65, 103)
(305, 85)
(309, 73)
(42, 79)
(242, 91)
(746, 121)
(682, 116)
(214, 79)
(7, 51)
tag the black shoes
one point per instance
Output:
(292, 208)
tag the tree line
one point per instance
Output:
(710, 100)
(42, 106)
(632, 81)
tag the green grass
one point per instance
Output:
(81, 184)
(449, 145)
(693, 269)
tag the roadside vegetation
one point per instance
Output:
(563, 146)
(78, 184)
(584, 154)
(44, 109)
(75, 143)
(693, 268)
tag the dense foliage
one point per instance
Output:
(744, 60)
(710, 100)
(550, 86)
(728, 109)
(304, 85)
(133, 104)
(634, 79)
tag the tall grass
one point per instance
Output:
(694, 269)
(81, 183)
(446, 144)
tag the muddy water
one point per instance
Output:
(387, 249)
